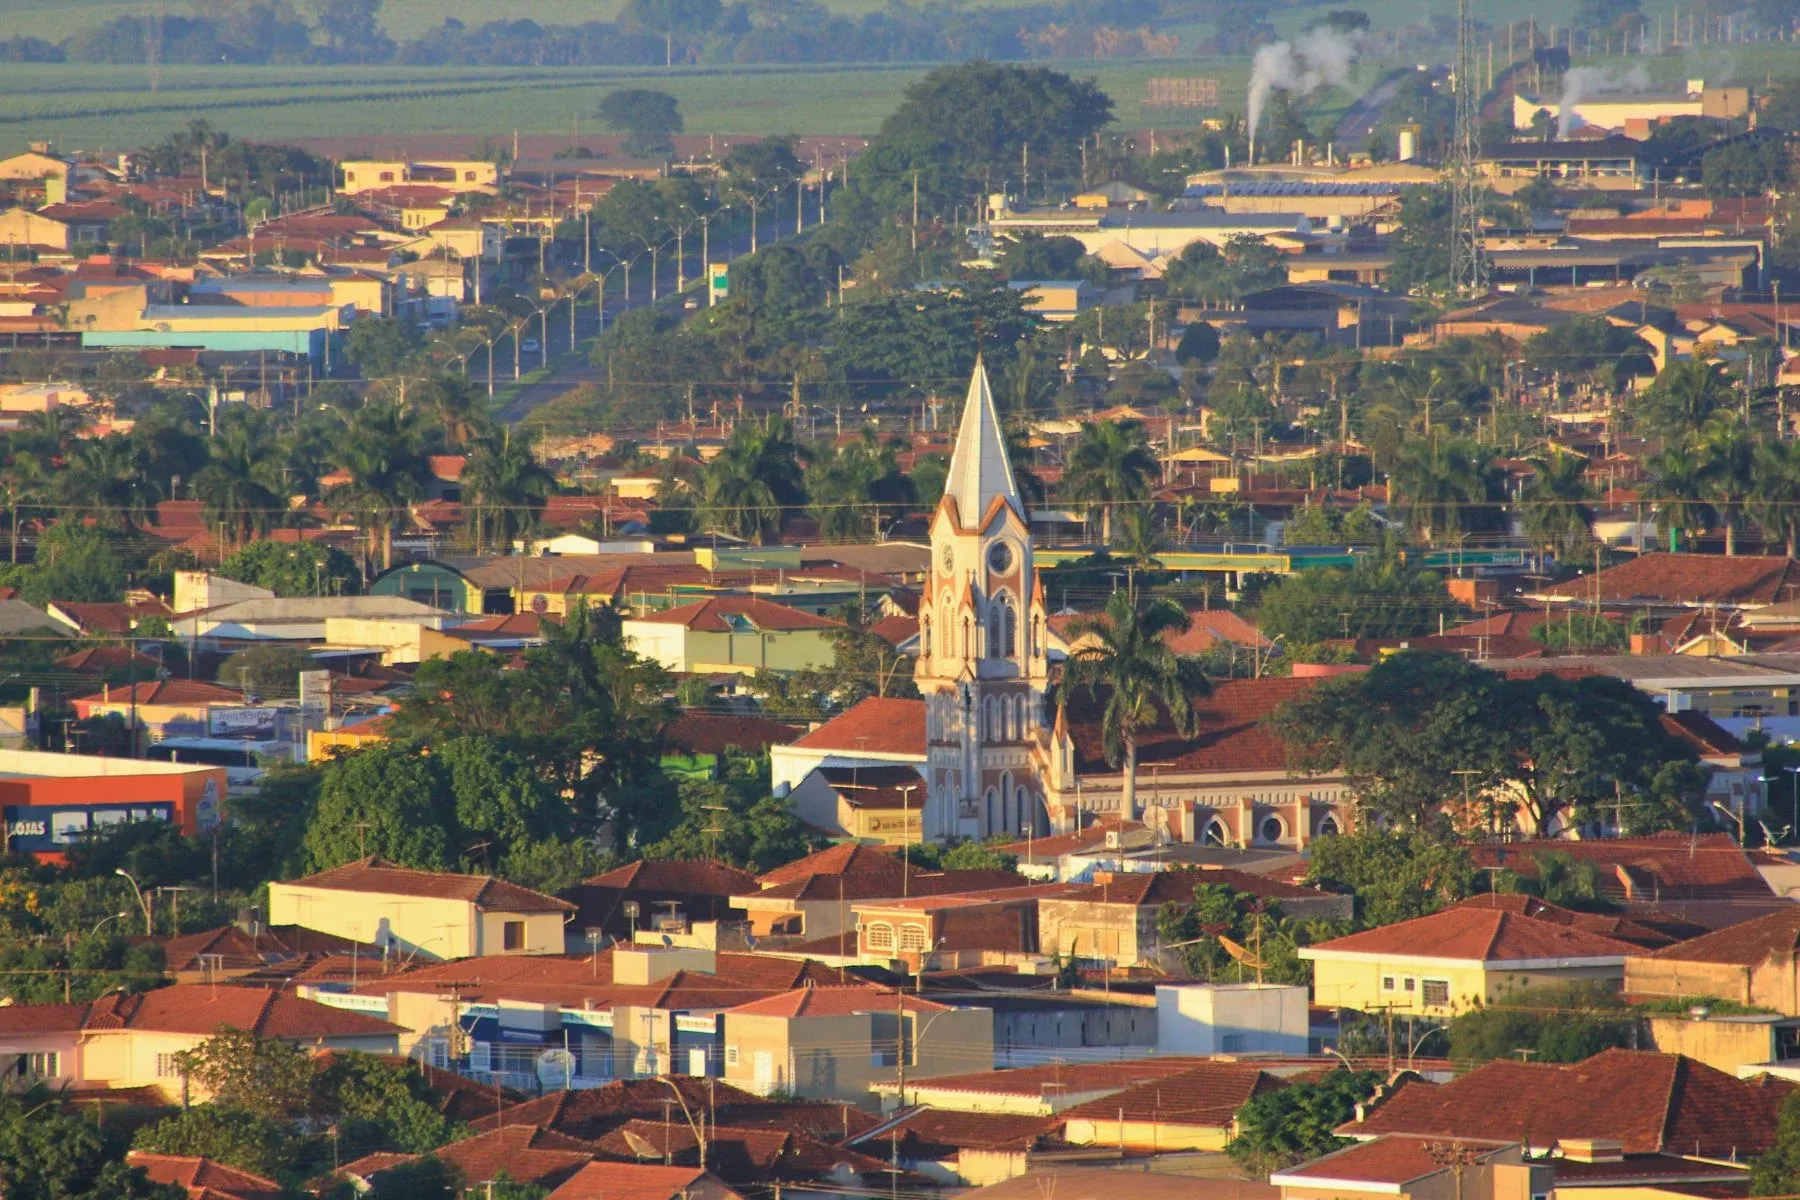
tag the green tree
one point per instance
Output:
(48, 1151)
(1775, 499)
(241, 486)
(381, 347)
(1394, 874)
(648, 119)
(498, 796)
(379, 1104)
(105, 481)
(293, 568)
(1111, 464)
(234, 1136)
(383, 801)
(265, 1077)
(1683, 398)
(1559, 1024)
(71, 562)
(1678, 485)
(1728, 467)
(1448, 488)
(505, 489)
(1294, 1123)
(858, 490)
(1421, 243)
(747, 489)
(734, 819)
(381, 451)
(270, 671)
(1776, 1172)
(1555, 504)
(1123, 652)
(1377, 597)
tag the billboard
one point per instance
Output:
(35, 828)
(237, 722)
(718, 282)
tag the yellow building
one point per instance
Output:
(831, 1043)
(1755, 963)
(433, 914)
(461, 175)
(133, 1041)
(734, 635)
(1195, 1109)
(351, 735)
(1445, 963)
(871, 804)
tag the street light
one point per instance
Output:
(1739, 821)
(1795, 772)
(143, 901)
(118, 916)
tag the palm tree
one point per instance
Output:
(1775, 501)
(1685, 396)
(1111, 464)
(105, 480)
(240, 487)
(1448, 488)
(755, 478)
(450, 405)
(1123, 651)
(1728, 459)
(1678, 486)
(379, 449)
(860, 480)
(1141, 538)
(22, 483)
(1554, 505)
(507, 487)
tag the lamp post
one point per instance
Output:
(143, 901)
(1737, 820)
(594, 936)
(906, 838)
(118, 916)
(1794, 774)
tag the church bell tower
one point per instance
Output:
(981, 667)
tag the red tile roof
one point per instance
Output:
(716, 733)
(1650, 1102)
(1205, 1095)
(628, 1181)
(202, 1177)
(1688, 579)
(689, 876)
(1665, 865)
(739, 1155)
(1230, 734)
(1475, 934)
(928, 1133)
(834, 1002)
(1750, 944)
(723, 614)
(1624, 929)
(526, 1153)
(878, 725)
(202, 1009)
(848, 858)
(1068, 1078)
(591, 1113)
(180, 692)
(484, 891)
(1395, 1159)
(1155, 888)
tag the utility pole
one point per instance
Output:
(1467, 270)
(915, 213)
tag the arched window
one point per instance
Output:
(925, 637)
(1019, 730)
(912, 937)
(881, 936)
(1328, 827)
(1010, 634)
(996, 633)
(1215, 834)
(1037, 636)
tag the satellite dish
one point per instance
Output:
(668, 942)
(555, 1068)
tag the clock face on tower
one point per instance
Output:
(1000, 558)
(947, 558)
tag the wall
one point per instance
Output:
(1350, 983)
(1724, 1043)
(39, 795)
(543, 932)
(1682, 980)
(1117, 933)
(1152, 1136)
(1231, 1019)
(436, 929)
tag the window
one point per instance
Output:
(1435, 993)
(925, 637)
(41, 1065)
(166, 1067)
(387, 177)
(1232, 1043)
(468, 177)
(881, 936)
(1011, 632)
(912, 937)
(512, 935)
(1387, 983)
(996, 646)
(1271, 829)
(1412, 985)
(731, 1056)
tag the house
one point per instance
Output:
(1044, 1090)
(1154, 234)
(431, 913)
(1740, 1044)
(121, 1041)
(1752, 964)
(953, 930)
(821, 904)
(1193, 1109)
(1704, 879)
(526, 1154)
(202, 1178)
(1610, 164)
(231, 951)
(1112, 919)
(652, 894)
(734, 634)
(883, 805)
(963, 1149)
(455, 175)
(637, 1181)
(876, 732)
(620, 1011)
(830, 1043)
(338, 620)
(1668, 582)
(1232, 1018)
(1416, 1168)
(1446, 962)
(1648, 1103)
(1059, 1179)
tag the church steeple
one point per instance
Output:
(979, 469)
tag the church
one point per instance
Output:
(999, 756)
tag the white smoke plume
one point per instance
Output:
(1318, 57)
(1582, 82)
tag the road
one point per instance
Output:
(571, 370)
(1354, 128)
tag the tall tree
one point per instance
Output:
(1124, 653)
(1728, 462)
(1775, 495)
(241, 486)
(648, 118)
(1448, 488)
(380, 449)
(505, 488)
(105, 481)
(1111, 464)
(1554, 504)
(1678, 485)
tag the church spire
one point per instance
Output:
(979, 469)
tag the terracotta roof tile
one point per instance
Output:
(929, 1133)
(627, 1181)
(1688, 579)
(1476, 935)
(1203, 1095)
(833, 1002)
(848, 858)
(1650, 1102)
(165, 691)
(1069, 1078)
(591, 1113)
(197, 1008)
(1749, 944)
(1624, 929)
(1159, 887)
(1230, 734)
(203, 1176)
(734, 614)
(878, 725)
(372, 875)
(716, 733)
(1393, 1159)
(526, 1153)
(1673, 865)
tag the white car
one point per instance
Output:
(529, 345)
